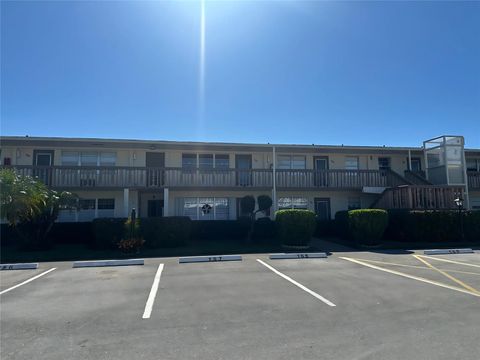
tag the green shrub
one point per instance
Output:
(221, 229)
(170, 231)
(107, 232)
(472, 226)
(432, 226)
(295, 227)
(71, 233)
(264, 229)
(325, 228)
(367, 225)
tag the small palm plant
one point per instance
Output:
(132, 241)
(31, 207)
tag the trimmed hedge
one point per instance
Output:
(367, 225)
(295, 227)
(264, 229)
(61, 233)
(166, 231)
(432, 226)
(107, 232)
(221, 229)
(340, 226)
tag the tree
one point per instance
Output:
(247, 205)
(264, 203)
(31, 207)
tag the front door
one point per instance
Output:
(43, 160)
(322, 208)
(321, 175)
(243, 164)
(155, 163)
(155, 208)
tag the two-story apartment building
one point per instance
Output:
(207, 180)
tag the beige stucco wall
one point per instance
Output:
(173, 158)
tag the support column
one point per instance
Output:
(274, 183)
(409, 160)
(166, 211)
(126, 199)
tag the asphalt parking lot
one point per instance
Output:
(361, 305)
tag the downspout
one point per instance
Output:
(465, 177)
(409, 160)
(274, 183)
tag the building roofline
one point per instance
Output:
(199, 144)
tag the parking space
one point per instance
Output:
(11, 278)
(253, 309)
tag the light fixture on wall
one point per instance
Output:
(18, 153)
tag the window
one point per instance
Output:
(106, 208)
(351, 163)
(87, 210)
(473, 164)
(354, 203)
(108, 159)
(206, 208)
(87, 204)
(384, 163)
(205, 161)
(292, 203)
(88, 158)
(106, 204)
(291, 162)
(70, 158)
(416, 165)
(189, 160)
(222, 161)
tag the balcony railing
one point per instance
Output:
(141, 177)
(473, 180)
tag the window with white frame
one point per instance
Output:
(351, 163)
(354, 203)
(88, 210)
(292, 203)
(291, 162)
(384, 163)
(206, 161)
(88, 158)
(105, 208)
(206, 208)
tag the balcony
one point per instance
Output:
(76, 177)
(473, 180)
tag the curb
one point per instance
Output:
(99, 263)
(448, 251)
(298, 256)
(211, 258)
(20, 266)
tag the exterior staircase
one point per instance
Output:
(416, 178)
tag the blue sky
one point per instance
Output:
(357, 73)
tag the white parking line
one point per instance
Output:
(450, 261)
(418, 278)
(26, 281)
(304, 288)
(153, 293)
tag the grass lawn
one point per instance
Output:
(67, 252)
